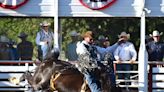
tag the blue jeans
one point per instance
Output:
(45, 50)
(93, 83)
(123, 67)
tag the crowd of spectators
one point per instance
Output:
(122, 51)
(12, 51)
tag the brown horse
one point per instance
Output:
(71, 80)
(54, 74)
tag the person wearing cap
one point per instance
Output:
(71, 54)
(125, 52)
(155, 48)
(44, 40)
(25, 48)
(103, 41)
(106, 53)
(13, 50)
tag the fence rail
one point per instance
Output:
(155, 76)
(10, 69)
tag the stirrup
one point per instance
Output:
(84, 86)
(52, 80)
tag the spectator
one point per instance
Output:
(71, 54)
(25, 48)
(104, 46)
(125, 52)
(104, 41)
(155, 48)
(106, 53)
(5, 50)
(13, 50)
(44, 40)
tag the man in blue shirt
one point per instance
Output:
(155, 48)
(125, 52)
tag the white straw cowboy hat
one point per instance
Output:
(124, 34)
(4, 39)
(22, 35)
(156, 33)
(44, 23)
(74, 33)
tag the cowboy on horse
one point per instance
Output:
(58, 75)
(89, 62)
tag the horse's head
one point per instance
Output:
(44, 71)
(42, 75)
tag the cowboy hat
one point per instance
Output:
(156, 33)
(74, 33)
(44, 23)
(124, 34)
(22, 35)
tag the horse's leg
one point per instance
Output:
(27, 75)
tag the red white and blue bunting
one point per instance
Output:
(12, 4)
(97, 4)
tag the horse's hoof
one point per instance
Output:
(14, 80)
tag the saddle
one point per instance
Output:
(84, 87)
(54, 77)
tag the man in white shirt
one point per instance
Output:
(125, 52)
(44, 40)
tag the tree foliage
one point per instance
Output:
(110, 27)
(12, 27)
